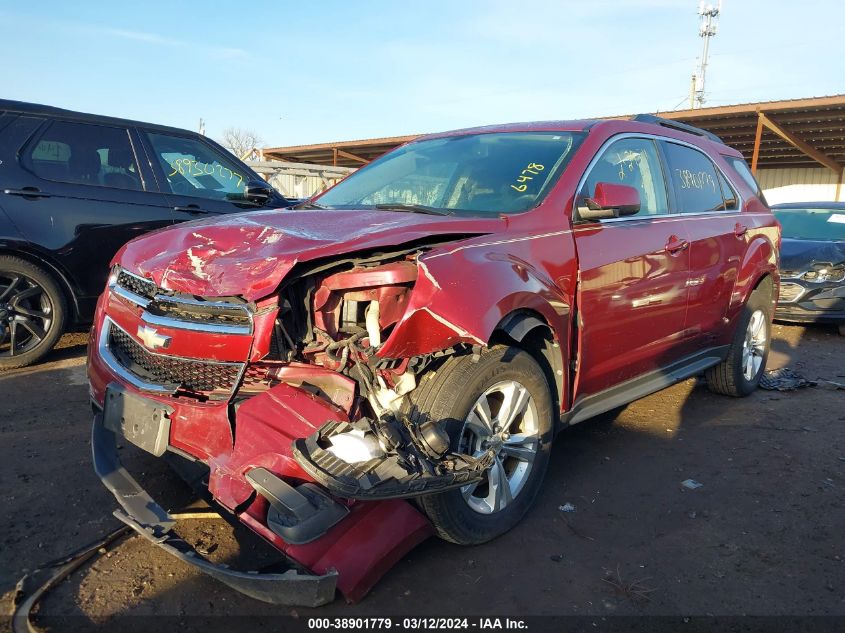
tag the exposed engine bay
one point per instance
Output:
(332, 320)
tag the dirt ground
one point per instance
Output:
(762, 536)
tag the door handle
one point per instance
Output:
(676, 245)
(740, 229)
(28, 192)
(191, 208)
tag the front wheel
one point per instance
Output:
(739, 374)
(500, 400)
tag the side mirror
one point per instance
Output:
(610, 201)
(258, 192)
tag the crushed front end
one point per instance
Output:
(302, 423)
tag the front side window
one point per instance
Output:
(695, 179)
(85, 153)
(493, 173)
(633, 162)
(192, 168)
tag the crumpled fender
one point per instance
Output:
(463, 292)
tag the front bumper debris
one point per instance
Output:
(405, 471)
(140, 512)
(806, 302)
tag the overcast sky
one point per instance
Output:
(312, 71)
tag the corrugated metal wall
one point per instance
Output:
(298, 186)
(299, 180)
(798, 184)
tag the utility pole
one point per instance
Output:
(708, 22)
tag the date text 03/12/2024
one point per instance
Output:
(422, 623)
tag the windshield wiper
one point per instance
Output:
(412, 208)
(308, 205)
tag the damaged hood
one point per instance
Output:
(801, 255)
(248, 254)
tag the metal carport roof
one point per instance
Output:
(788, 133)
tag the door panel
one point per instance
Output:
(716, 248)
(632, 292)
(632, 300)
(77, 192)
(717, 234)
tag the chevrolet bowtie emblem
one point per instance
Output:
(151, 338)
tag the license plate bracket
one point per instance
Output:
(142, 421)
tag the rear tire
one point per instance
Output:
(739, 374)
(842, 330)
(33, 311)
(508, 388)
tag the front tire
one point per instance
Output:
(32, 313)
(739, 374)
(499, 400)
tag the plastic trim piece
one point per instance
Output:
(299, 515)
(636, 388)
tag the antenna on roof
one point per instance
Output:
(708, 23)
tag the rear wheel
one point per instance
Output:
(739, 374)
(500, 401)
(32, 313)
(842, 330)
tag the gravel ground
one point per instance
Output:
(762, 536)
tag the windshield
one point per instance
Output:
(492, 173)
(812, 224)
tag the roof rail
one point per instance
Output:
(676, 125)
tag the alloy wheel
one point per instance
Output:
(754, 345)
(26, 314)
(505, 419)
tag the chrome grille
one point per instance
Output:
(139, 286)
(171, 372)
(162, 307)
(790, 292)
(212, 313)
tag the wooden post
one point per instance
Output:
(756, 155)
(796, 142)
(334, 156)
(351, 156)
(839, 184)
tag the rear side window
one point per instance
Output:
(695, 179)
(86, 154)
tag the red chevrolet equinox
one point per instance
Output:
(393, 358)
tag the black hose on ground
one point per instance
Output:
(32, 587)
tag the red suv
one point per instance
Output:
(422, 331)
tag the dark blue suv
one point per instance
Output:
(74, 188)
